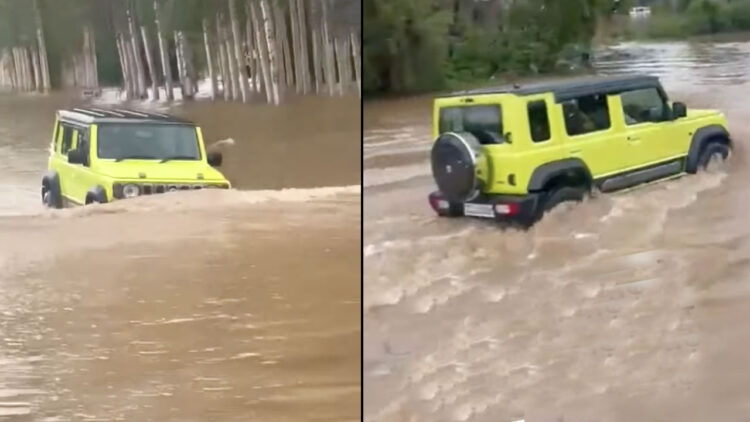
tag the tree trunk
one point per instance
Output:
(262, 47)
(132, 69)
(237, 42)
(180, 63)
(163, 53)
(296, 45)
(357, 62)
(278, 18)
(316, 59)
(123, 65)
(93, 61)
(330, 71)
(209, 59)
(252, 54)
(43, 61)
(233, 71)
(150, 62)
(187, 60)
(226, 81)
(37, 70)
(135, 46)
(272, 53)
(305, 64)
(340, 64)
(286, 50)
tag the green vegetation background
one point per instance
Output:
(425, 45)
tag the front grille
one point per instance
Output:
(152, 189)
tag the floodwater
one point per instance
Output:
(626, 307)
(201, 306)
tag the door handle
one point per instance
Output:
(634, 138)
(575, 152)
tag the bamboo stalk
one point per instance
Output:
(43, 61)
(150, 62)
(357, 62)
(163, 53)
(132, 70)
(209, 59)
(187, 57)
(237, 43)
(262, 47)
(233, 71)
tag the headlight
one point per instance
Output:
(130, 191)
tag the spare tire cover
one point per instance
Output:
(455, 161)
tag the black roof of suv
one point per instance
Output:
(93, 115)
(568, 89)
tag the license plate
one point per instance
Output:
(479, 210)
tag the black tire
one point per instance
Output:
(563, 194)
(714, 149)
(51, 197)
(454, 160)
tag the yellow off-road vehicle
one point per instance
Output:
(512, 153)
(99, 155)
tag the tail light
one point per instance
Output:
(507, 209)
(439, 204)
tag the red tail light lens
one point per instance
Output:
(507, 209)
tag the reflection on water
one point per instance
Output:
(618, 309)
(199, 306)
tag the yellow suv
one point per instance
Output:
(512, 153)
(98, 155)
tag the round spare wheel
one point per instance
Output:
(456, 160)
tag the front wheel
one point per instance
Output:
(714, 151)
(50, 198)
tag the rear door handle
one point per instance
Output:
(634, 138)
(575, 152)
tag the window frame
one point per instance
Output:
(529, 104)
(494, 105)
(610, 123)
(665, 102)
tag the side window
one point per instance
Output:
(538, 121)
(58, 136)
(586, 114)
(644, 105)
(66, 144)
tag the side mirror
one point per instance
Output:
(75, 156)
(679, 110)
(215, 159)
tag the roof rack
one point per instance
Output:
(96, 114)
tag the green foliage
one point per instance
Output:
(420, 45)
(696, 17)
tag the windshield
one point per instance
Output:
(482, 121)
(148, 142)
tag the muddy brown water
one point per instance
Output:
(201, 306)
(626, 307)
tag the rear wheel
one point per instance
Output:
(713, 151)
(563, 194)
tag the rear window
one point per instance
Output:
(483, 121)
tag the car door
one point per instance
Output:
(648, 126)
(592, 136)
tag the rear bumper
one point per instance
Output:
(515, 209)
